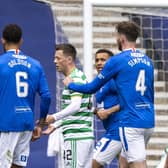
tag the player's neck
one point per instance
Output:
(129, 45)
(11, 47)
(69, 70)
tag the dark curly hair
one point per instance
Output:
(12, 33)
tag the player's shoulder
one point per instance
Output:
(114, 61)
(5, 58)
(116, 57)
(4, 55)
(34, 62)
(78, 76)
(77, 72)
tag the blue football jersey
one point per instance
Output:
(133, 73)
(21, 77)
(106, 98)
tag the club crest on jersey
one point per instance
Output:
(23, 158)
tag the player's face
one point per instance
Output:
(60, 61)
(100, 60)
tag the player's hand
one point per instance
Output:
(41, 123)
(67, 81)
(95, 111)
(49, 130)
(49, 119)
(102, 114)
(36, 133)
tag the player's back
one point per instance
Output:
(21, 77)
(135, 82)
(133, 73)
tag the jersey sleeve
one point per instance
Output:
(109, 71)
(101, 94)
(44, 95)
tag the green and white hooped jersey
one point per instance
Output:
(80, 124)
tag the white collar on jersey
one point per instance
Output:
(14, 50)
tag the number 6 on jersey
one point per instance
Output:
(21, 87)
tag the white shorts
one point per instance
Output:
(134, 141)
(106, 150)
(14, 147)
(78, 153)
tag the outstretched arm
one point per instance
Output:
(72, 108)
(106, 74)
(55, 120)
(52, 127)
(89, 88)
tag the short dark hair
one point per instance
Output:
(12, 33)
(104, 51)
(68, 49)
(129, 29)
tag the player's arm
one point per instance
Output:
(44, 108)
(88, 88)
(104, 113)
(44, 105)
(41, 122)
(55, 120)
(110, 69)
(38, 129)
(45, 96)
(72, 108)
(52, 127)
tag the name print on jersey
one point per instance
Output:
(19, 61)
(135, 61)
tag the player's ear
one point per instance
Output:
(21, 41)
(3, 41)
(70, 59)
(122, 38)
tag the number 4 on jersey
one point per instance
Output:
(140, 83)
